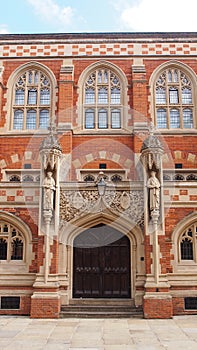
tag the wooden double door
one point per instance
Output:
(101, 264)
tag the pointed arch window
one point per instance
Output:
(31, 107)
(174, 100)
(187, 244)
(12, 242)
(102, 100)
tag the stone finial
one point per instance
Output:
(51, 141)
(151, 141)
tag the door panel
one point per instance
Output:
(101, 264)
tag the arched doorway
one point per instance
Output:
(101, 264)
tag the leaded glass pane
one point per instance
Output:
(186, 96)
(20, 97)
(30, 78)
(105, 77)
(3, 249)
(89, 96)
(89, 119)
(161, 96)
(174, 119)
(102, 90)
(102, 119)
(99, 77)
(36, 78)
(102, 96)
(115, 119)
(115, 96)
(176, 76)
(32, 97)
(173, 96)
(187, 118)
(44, 97)
(186, 249)
(44, 119)
(169, 76)
(32, 89)
(17, 249)
(31, 119)
(161, 119)
(18, 120)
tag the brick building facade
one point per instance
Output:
(98, 178)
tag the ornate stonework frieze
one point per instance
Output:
(123, 203)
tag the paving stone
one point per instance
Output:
(111, 334)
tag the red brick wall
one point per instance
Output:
(25, 306)
(45, 308)
(158, 308)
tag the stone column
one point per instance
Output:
(157, 299)
(45, 301)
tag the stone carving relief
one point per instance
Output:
(127, 203)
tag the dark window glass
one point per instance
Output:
(102, 166)
(191, 303)
(17, 249)
(10, 303)
(3, 249)
(186, 249)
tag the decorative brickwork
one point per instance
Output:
(121, 106)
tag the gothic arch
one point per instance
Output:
(75, 227)
(24, 229)
(187, 221)
(20, 70)
(123, 81)
(71, 230)
(172, 63)
(100, 64)
(177, 65)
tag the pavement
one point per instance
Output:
(179, 333)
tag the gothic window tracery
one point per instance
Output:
(174, 100)
(31, 106)
(102, 100)
(187, 245)
(11, 242)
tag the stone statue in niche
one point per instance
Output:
(154, 191)
(49, 190)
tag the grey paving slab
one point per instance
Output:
(20, 333)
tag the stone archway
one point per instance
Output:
(101, 263)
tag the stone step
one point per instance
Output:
(101, 311)
(102, 302)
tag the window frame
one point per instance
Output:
(12, 105)
(181, 71)
(9, 238)
(183, 235)
(28, 255)
(120, 82)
